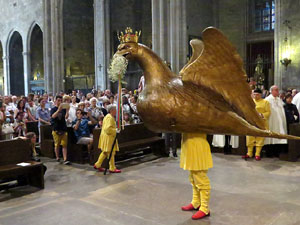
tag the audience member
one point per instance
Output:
(59, 114)
(291, 112)
(81, 128)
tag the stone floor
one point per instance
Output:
(151, 190)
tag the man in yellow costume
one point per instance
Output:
(264, 110)
(196, 157)
(106, 141)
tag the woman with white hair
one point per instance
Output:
(95, 111)
(106, 141)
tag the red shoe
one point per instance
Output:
(245, 156)
(188, 207)
(199, 215)
(257, 158)
(99, 169)
(115, 171)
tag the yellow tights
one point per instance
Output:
(103, 156)
(201, 190)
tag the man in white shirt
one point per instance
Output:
(277, 119)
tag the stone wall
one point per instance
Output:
(199, 15)
(78, 31)
(137, 15)
(231, 20)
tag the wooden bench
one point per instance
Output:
(47, 143)
(133, 138)
(14, 152)
(76, 152)
(293, 146)
(33, 127)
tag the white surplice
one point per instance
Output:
(277, 120)
(219, 141)
(296, 101)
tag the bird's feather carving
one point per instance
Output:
(217, 65)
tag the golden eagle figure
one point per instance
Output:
(210, 95)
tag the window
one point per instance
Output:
(264, 15)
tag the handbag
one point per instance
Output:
(7, 129)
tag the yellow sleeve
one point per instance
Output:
(267, 110)
(110, 127)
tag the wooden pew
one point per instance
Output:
(17, 151)
(132, 139)
(47, 143)
(293, 146)
(33, 127)
(76, 152)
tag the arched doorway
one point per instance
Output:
(79, 62)
(1, 70)
(36, 76)
(16, 68)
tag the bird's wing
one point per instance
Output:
(219, 67)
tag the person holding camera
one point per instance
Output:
(81, 128)
(59, 113)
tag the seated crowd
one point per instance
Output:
(82, 112)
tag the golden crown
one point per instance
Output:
(129, 36)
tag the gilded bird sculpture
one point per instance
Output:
(210, 94)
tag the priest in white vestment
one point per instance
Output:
(277, 120)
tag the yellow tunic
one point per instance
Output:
(195, 152)
(263, 107)
(108, 134)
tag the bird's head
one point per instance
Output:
(129, 50)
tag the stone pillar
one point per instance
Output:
(278, 68)
(160, 28)
(27, 70)
(6, 84)
(182, 32)
(47, 47)
(57, 46)
(178, 34)
(155, 26)
(102, 43)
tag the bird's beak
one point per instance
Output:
(123, 50)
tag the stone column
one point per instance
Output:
(278, 68)
(160, 28)
(102, 43)
(155, 26)
(47, 47)
(6, 84)
(27, 70)
(182, 32)
(178, 34)
(57, 46)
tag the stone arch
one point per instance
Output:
(16, 67)
(35, 49)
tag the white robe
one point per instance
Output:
(219, 141)
(296, 101)
(277, 120)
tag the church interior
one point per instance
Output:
(60, 109)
